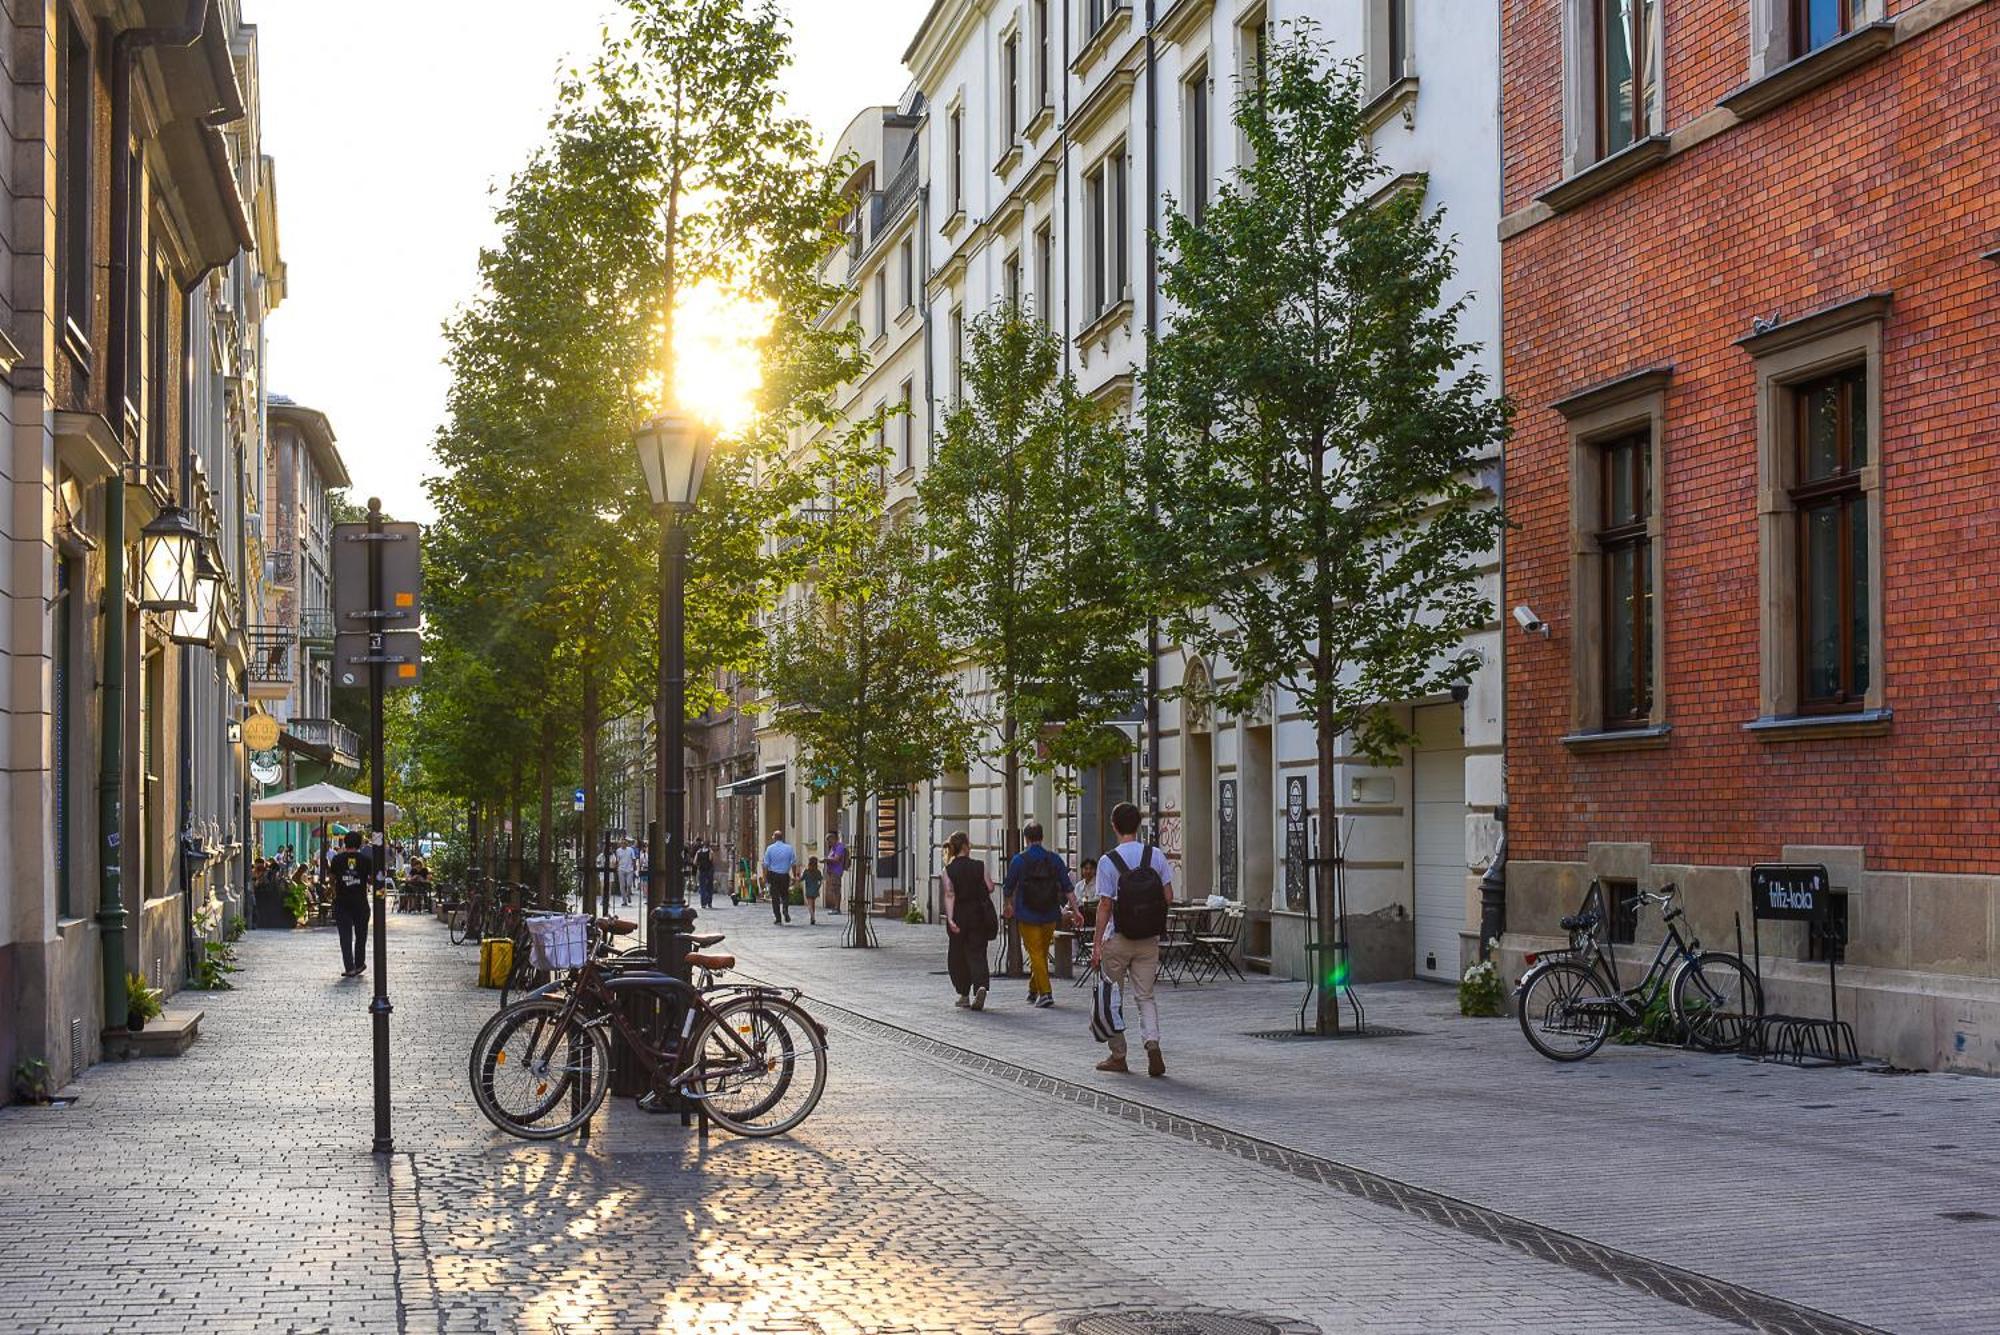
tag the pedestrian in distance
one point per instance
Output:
(1038, 893)
(349, 871)
(836, 871)
(704, 874)
(628, 870)
(779, 860)
(811, 879)
(1134, 885)
(969, 921)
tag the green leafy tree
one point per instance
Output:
(1316, 419)
(669, 165)
(858, 669)
(1032, 518)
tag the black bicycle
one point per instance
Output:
(1569, 999)
(750, 1055)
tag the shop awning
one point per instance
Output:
(754, 784)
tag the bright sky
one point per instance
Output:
(392, 124)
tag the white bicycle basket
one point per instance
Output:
(562, 940)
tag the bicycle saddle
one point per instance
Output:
(701, 961)
(616, 926)
(1579, 922)
(705, 940)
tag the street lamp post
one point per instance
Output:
(673, 451)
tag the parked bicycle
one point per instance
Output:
(1570, 999)
(749, 1054)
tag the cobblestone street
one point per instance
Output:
(971, 1173)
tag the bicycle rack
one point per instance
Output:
(1798, 893)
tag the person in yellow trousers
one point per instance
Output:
(1038, 891)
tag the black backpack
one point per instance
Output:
(1042, 885)
(1140, 909)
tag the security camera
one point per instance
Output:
(1531, 623)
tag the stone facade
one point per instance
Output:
(1794, 208)
(184, 342)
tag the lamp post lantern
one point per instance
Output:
(167, 561)
(198, 623)
(673, 452)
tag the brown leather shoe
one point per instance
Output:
(1114, 1064)
(1156, 1064)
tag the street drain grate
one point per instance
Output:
(1161, 1321)
(1968, 1216)
(1372, 1031)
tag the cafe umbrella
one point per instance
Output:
(317, 804)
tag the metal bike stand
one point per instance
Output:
(1798, 893)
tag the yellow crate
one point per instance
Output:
(496, 961)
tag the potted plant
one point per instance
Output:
(142, 1003)
(32, 1083)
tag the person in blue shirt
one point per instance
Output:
(1038, 893)
(779, 859)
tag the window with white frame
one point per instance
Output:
(956, 348)
(955, 159)
(1195, 152)
(906, 259)
(1108, 257)
(1044, 50)
(906, 429)
(881, 302)
(1010, 90)
(1010, 280)
(1253, 49)
(1388, 43)
(1045, 273)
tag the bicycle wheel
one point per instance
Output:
(1718, 1002)
(535, 1075)
(1555, 1025)
(759, 1065)
(461, 922)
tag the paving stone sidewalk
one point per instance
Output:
(1874, 1196)
(233, 1190)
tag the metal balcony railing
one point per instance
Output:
(316, 625)
(329, 734)
(273, 651)
(896, 195)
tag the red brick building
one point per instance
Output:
(1751, 253)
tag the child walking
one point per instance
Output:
(812, 880)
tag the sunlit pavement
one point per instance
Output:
(972, 1173)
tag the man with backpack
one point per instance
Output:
(1134, 884)
(350, 869)
(1038, 890)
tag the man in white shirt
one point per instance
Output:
(628, 867)
(779, 859)
(1128, 943)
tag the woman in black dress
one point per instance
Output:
(971, 920)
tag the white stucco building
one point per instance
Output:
(1052, 135)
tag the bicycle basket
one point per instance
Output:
(561, 940)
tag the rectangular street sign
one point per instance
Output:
(402, 576)
(579, 799)
(1800, 892)
(403, 652)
